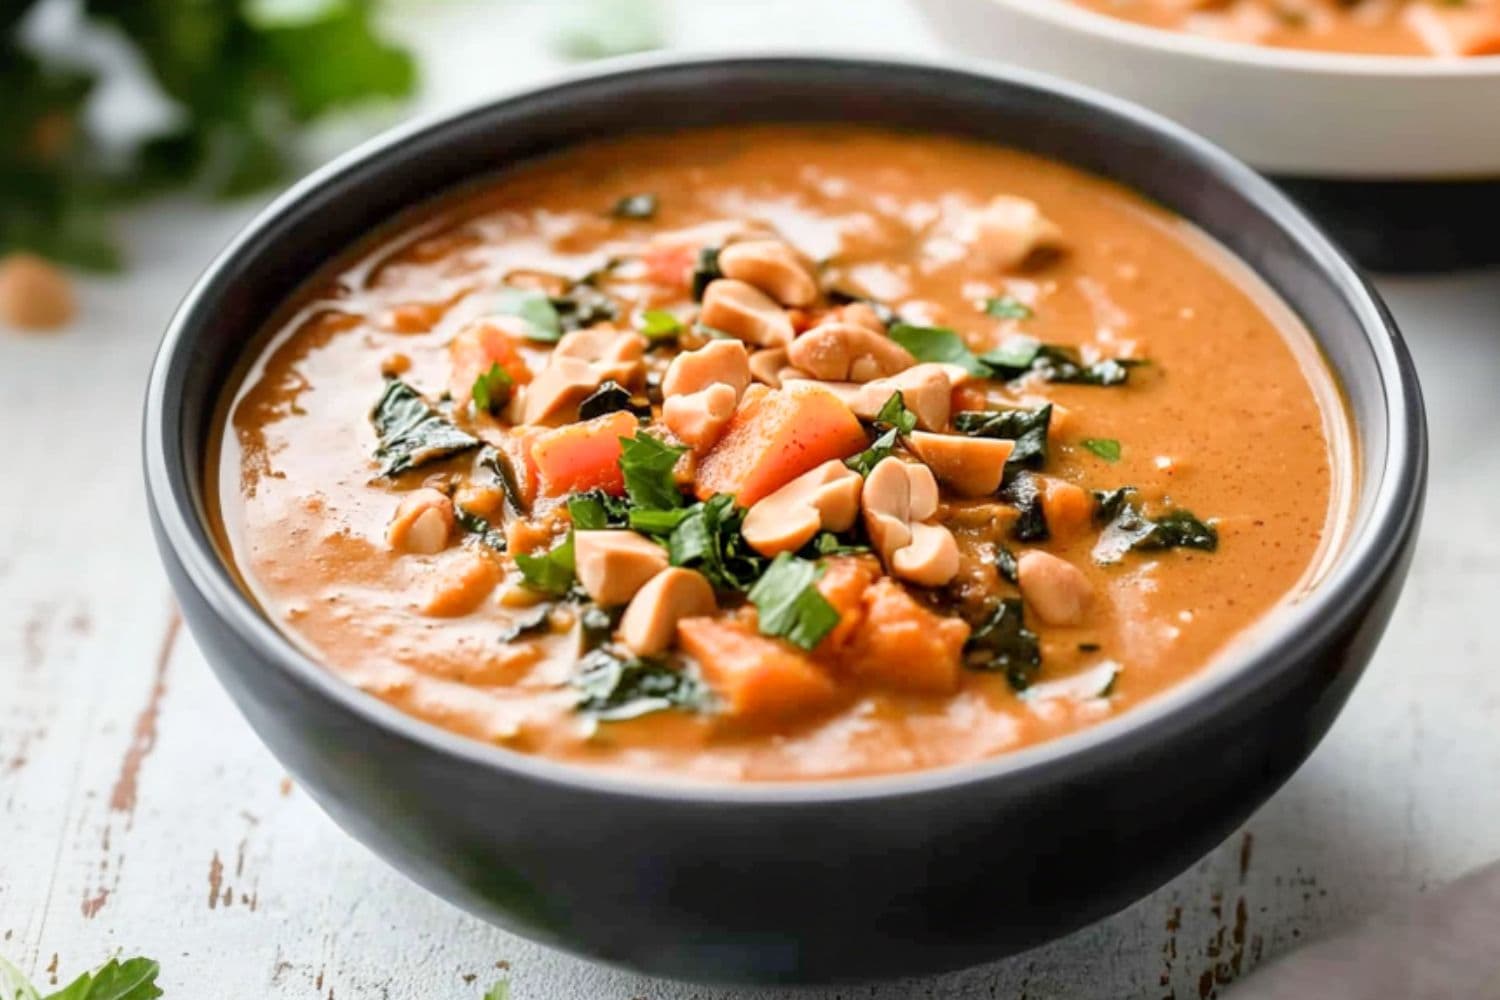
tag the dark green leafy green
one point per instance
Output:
(893, 419)
(596, 624)
(1019, 356)
(552, 571)
(583, 305)
(614, 687)
(1005, 565)
(829, 544)
(1007, 307)
(595, 510)
(705, 270)
(648, 463)
(1027, 428)
(659, 523)
(492, 389)
(535, 620)
(1106, 448)
(498, 465)
(791, 606)
(939, 344)
(880, 449)
(1126, 527)
(708, 539)
(411, 432)
(1003, 644)
(635, 206)
(610, 397)
(1024, 494)
(480, 527)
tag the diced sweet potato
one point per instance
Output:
(776, 436)
(461, 583)
(583, 456)
(843, 585)
(758, 678)
(477, 348)
(900, 644)
(1068, 508)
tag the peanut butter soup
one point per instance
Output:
(780, 453)
(1372, 27)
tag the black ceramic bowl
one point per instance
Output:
(829, 880)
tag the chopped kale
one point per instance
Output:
(595, 509)
(480, 527)
(1027, 428)
(614, 687)
(536, 619)
(1002, 643)
(1024, 494)
(790, 604)
(411, 432)
(582, 306)
(1006, 566)
(498, 464)
(1053, 363)
(705, 270)
(610, 397)
(1127, 528)
(596, 624)
(635, 206)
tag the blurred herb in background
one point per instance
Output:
(244, 76)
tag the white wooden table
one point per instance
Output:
(138, 811)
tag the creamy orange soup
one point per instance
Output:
(780, 453)
(1388, 27)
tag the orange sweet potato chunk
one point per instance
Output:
(900, 644)
(759, 679)
(843, 585)
(583, 456)
(776, 436)
(1069, 509)
(478, 348)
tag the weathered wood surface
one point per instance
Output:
(138, 811)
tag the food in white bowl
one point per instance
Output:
(1351, 98)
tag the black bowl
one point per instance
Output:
(828, 880)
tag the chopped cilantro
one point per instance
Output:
(658, 324)
(534, 309)
(708, 539)
(648, 464)
(492, 389)
(790, 605)
(936, 343)
(552, 571)
(1106, 448)
(1007, 307)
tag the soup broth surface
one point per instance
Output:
(1226, 414)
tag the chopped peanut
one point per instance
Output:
(970, 466)
(1055, 589)
(744, 311)
(1009, 232)
(826, 498)
(613, 564)
(461, 583)
(649, 625)
(771, 266)
(423, 522)
(897, 500)
(848, 352)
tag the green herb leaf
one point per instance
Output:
(492, 389)
(790, 605)
(635, 206)
(536, 619)
(895, 419)
(610, 397)
(829, 544)
(1003, 643)
(660, 523)
(411, 432)
(613, 688)
(1027, 428)
(705, 270)
(552, 571)
(1007, 307)
(658, 324)
(596, 510)
(894, 414)
(936, 343)
(1106, 448)
(708, 539)
(880, 449)
(1127, 528)
(535, 310)
(648, 463)
(498, 464)
(132, 979)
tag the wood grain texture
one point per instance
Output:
(138, 811)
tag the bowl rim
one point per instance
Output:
(1248, 666)
(1065, 14)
